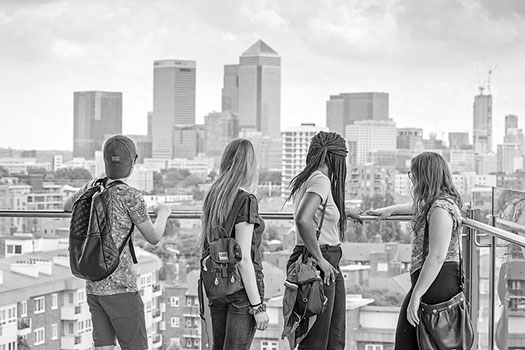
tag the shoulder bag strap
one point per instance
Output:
(320, 226)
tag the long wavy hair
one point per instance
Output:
(238, 169)
(432, 180)
(329, 148)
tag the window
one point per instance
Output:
(40, 336)
(188, 301)
(269, 345)
(54, 301)
(81, 296)
(8, 315)
(188, 342)
(175, 322)
(18, 249)
(23, 308)
(373, 347)
(40, 304)
(175, 341)
(54, 331)
(188, 322)
(174, 301)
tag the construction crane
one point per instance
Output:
(486, 84)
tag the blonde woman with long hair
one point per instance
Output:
(236, 317)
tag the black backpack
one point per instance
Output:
(93, 254)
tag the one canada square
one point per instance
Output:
(253, 89)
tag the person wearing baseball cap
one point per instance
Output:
(120, 154)
(117, 310)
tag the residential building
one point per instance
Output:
(460, 160)
(97, 114)
(173, 103)
(369, 180)
(347, 108)
(410, 138)
(510, 157)
(368, 136)
(46, 306)
(482, 124)
(296, 142)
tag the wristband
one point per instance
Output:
(257, 310)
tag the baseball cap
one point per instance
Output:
(119, 154)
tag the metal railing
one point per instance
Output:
(475, 232)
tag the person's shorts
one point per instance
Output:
(119, 316)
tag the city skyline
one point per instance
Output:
(431, 71)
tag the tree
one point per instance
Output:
(3, 171)
(390, 231)
(189, 246)
(266, 176)
(382, 297)
(73, 174)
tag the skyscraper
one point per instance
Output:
(230, 90)
(482, 126)
(97, 114)
(253, 88)
(511, 122)
(173, 103)
(346, 108)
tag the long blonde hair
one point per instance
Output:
(238, 169)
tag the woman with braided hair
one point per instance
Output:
(321, 186)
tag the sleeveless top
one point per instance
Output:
(451, 207)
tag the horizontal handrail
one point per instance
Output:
(181, 214)
(196, 215)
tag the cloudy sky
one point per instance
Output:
(430, 55)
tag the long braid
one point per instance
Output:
(329, 148)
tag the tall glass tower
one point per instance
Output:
(173, 103)
(97, 114)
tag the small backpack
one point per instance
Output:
(219, 267)
(93, 254)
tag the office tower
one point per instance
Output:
(346, 108)
(97, 114)
(219, 129)
(173, 103)
(509, 157)
(150, 121)
(458, 140)
(482, 126)
(365, 137)
(186, 141)
(410, 138)
(253, 88)
(511, 122)
(295, 144)
(230, 90)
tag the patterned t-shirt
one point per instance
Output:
(418, 237)
(126, 206)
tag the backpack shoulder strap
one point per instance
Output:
(230, 223)
(128, 240)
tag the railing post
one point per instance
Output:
(471, 269)
(492, 287)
